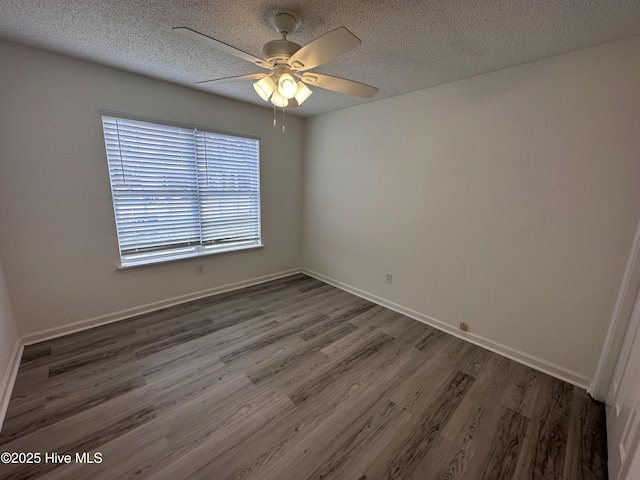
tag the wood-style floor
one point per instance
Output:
(289, 380)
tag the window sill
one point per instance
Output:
(159, 261)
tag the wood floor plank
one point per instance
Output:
(546, 437)
(299, 355)
(409, 448)
(242, 459)
(433, 337)
(360, 391)
(462, 449)
(278, 334)
(293, 379)
(55, 401)
(505, 448)
(74, 436)
(198, 461)
(480, 399)
(586, 441)
(363, 349)
(378, 317)
(33, 352)
(30, 379)
(522, 392)
(338, 441)
(400, 326)
(434, 372)
(291, 376)
(147, 455)
(177, 387)
(151, 343)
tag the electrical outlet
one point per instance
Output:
(464, 327)
(199, 269)
(389, 277)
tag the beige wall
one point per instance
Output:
(507, 201)
(58, 240)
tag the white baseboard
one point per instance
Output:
(9, 379)
(50, 333)
(532, 361)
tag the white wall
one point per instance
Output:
(8, 342)
(507, 201)
(58, 239)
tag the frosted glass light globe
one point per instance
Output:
(278, 100)
(287, 86)
(264, 87)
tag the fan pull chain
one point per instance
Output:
(282, 119)
(274, 115)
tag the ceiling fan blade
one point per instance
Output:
(327, 47)
(338, 84)
(241, 78)
(221, 46)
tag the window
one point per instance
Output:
(180, 191)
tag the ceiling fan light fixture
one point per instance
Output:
(303, 93)
(285, 60)
(265, 87)
(287, 86)
(278, 100)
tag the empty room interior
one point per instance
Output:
(320, 240)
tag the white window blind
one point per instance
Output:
(179, 191)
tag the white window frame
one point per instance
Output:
(196, 248)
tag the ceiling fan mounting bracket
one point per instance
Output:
(284, 21)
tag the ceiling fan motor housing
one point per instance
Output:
(279, 51)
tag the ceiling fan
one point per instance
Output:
(287, 61)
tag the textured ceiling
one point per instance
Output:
(406, 45)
